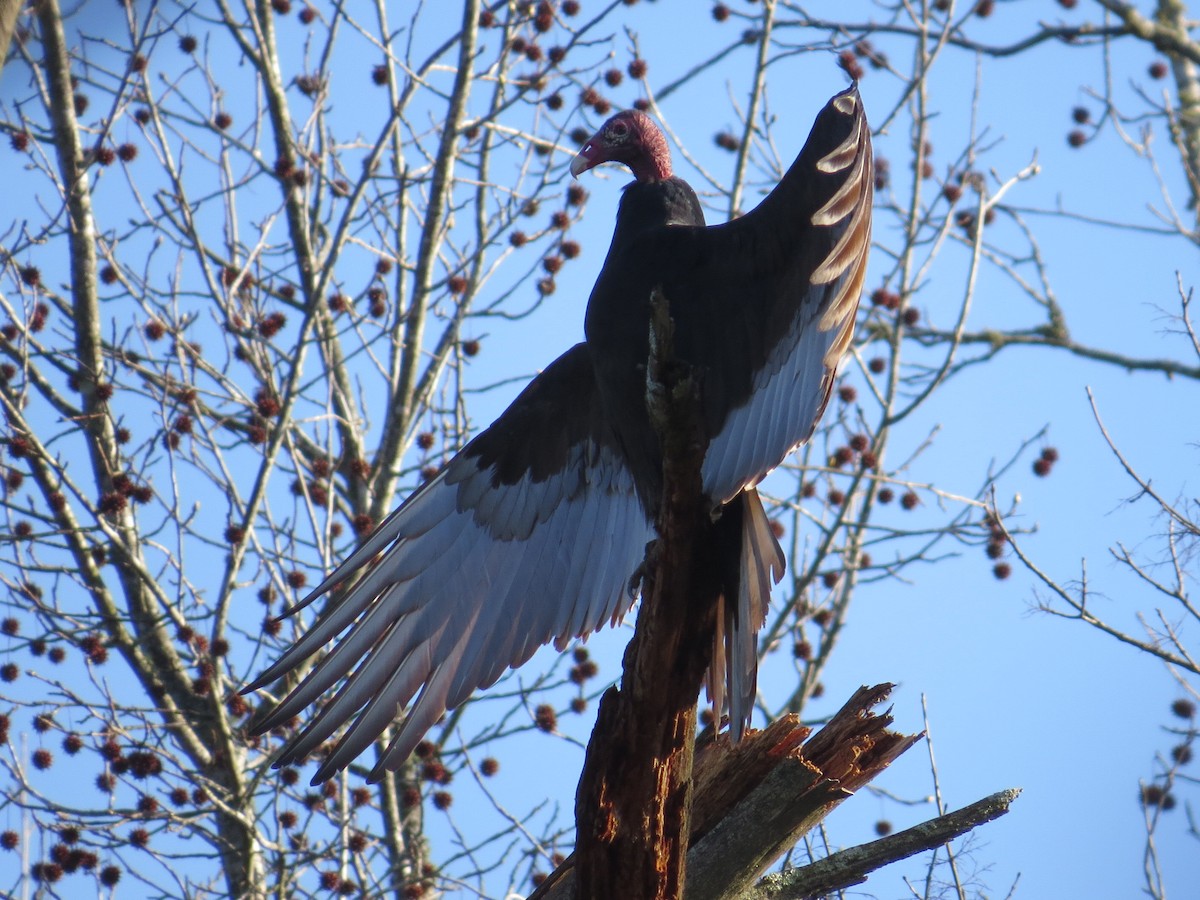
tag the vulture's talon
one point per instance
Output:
(642, 573)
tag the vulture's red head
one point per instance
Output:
(632, 139)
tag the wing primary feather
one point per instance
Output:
(844, 154)
(352, 696)
(382, 695)
(326, 673)
(384, 535)
(485, 650)
(425, 712)
(849, 243)
(844, 200)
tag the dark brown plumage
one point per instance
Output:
(531, 533)
(764, 307)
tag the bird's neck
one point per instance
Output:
(653, 204)
(652, 168)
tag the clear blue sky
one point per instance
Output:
(1016, 699)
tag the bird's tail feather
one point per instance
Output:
(757, 565)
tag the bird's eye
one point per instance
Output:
(619, 130)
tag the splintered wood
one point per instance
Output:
(752, 802)
(794, 786)
(856, 745)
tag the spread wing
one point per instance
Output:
(772, 298)
(528, 535)
(770, 302)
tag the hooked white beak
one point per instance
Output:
(583, 160)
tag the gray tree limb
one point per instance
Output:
(850, 867)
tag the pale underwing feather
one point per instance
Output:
(468, 577)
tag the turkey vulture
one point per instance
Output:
(532, 532)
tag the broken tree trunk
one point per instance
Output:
(796, 794)
(633, 801)
(755, 800)
(635, 814)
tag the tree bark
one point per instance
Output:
(755, 800)
(633, 801)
